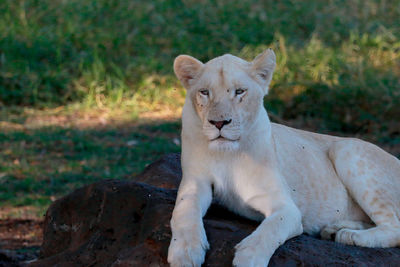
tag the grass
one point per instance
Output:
(40, 165)
(80, 79)
(121, 52)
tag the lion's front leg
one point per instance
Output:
(189, 241)
(257, 249)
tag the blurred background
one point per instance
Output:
(87, 90)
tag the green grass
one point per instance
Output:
(338, 61)
(338, 71)
(38, 166)
(111, 52)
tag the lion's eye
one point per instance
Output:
(240, 91)
(204, 92)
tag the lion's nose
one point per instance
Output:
(220, 124)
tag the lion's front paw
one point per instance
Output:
(186, 253)
(251, 252)
(187, 249)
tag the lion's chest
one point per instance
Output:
(225, 183)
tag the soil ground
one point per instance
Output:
(20, 240)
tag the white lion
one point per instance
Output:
(291, 180)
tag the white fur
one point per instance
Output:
(290, 180)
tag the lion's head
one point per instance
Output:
(227, 94)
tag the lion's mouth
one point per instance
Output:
(223, 138)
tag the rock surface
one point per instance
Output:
(126, 223)
(165, 172)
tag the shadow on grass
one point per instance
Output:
(38, 166)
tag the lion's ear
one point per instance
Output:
(263, 67)
(186, 69)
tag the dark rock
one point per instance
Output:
(8, 258)
(165, 172)
(126, 223)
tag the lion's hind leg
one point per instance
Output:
(329, 231)
(372, 178)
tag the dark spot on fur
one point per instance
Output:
(337, 210)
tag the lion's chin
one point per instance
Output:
(222, 144)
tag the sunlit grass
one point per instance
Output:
(113, 53)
